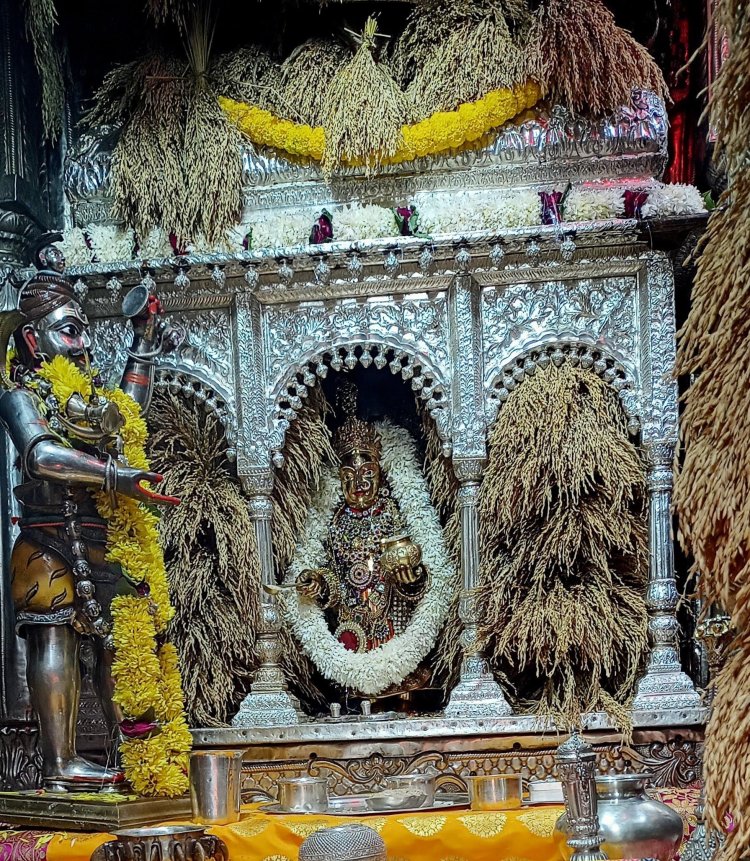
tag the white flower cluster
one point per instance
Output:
(110, 243)
(357, 222)
(372, 672)
(439, 213)
(593, 204)
(466, 211)
(673, 200)
(74, 247)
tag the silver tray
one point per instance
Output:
(356, 805)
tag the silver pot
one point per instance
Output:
(495, 791)
(303, 794)
(632, 824)
(167, 843)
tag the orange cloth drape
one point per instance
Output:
(455, 835)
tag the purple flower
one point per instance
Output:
(322, 230)
(551, 206)
(634, 201)
(139, 728)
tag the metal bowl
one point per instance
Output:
(303, 794)
(420, 784)
(495, 791)
(396, 800)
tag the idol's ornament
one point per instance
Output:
(373, 582)
(87, 564)
(374, 576)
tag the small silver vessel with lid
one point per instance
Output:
(350, 842)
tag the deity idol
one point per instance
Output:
(373, 577)
(61, 583)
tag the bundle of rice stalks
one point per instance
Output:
(307, 450)
(710, 491)
(444, 496)
(177, 164)
(41, 21)
(161, 11)
(211, 557)
(363, 110)
(563, 544)
(454, 53)
(306, 75)
(249, 75)
(591, 64)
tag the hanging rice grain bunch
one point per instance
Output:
(307, 450)
(148, 98)
(306, 75)
(444, 496)
(363, 111)
(163, 11)
(212, 559)
(449, 54)
(177, 164)
(563, 545)
(41, 21)
(710, 493)
(591, 64)
(249, 75)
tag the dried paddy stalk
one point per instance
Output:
(450, 53)
(41, 21)
(591, 64)
(306, 75)
(363, 111)
(563, 544)
(212, 560)
(476, 58)
(307, 450)
(250, 75)
(177, 164)
(711, 489)
(444, 495)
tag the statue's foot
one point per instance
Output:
(79, 774)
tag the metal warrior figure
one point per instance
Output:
(374, 576)
(60, 582)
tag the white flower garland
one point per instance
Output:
(441, 212)
(372, 672)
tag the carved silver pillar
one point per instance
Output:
(477, 693)
(576, 768)
(269, 702)
(665, 685)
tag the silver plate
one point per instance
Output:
(356, 805)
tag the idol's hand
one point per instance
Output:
(129, 482)
(405, 575)
(310, 584)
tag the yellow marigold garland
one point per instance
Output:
(443, 131)
(146, 676)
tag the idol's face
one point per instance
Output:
(360, 479)
(62, 332)
(52, 258)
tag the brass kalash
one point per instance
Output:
(61, 584)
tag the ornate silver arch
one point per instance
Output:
(192, 386)
(426, 381)
(578, 353)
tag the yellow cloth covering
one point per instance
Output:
(455, 835)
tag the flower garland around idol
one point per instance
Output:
(372, 672)
(145, 669)
(441, 132)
